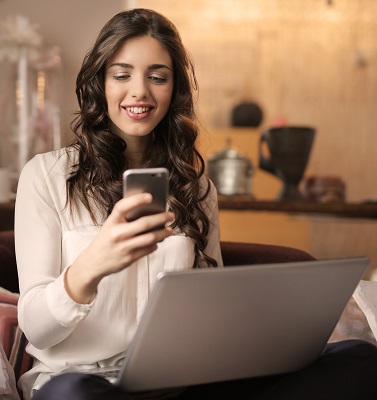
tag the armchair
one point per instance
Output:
(239, 253)
(353, 322)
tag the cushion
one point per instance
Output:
(8, 319)
(8, 388)
(8, 331)
(353, 324)
(13, 339)
(19, 359)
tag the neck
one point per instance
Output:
(136, 150)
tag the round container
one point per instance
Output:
(230, 172)
(324, 189)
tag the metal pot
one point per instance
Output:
(230, 172)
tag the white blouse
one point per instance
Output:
(63, 335)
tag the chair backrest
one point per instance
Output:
(8, 266)
(234, 253)
(240, 253)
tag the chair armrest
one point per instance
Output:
(8, 265)
(239, 253)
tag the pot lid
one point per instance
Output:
(228, 153)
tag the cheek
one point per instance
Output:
(166, 97)
(109, 93)
(112, 91)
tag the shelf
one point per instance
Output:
(345, 210)
(249, 203)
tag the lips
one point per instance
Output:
(138, 112)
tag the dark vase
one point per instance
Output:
(289, 149)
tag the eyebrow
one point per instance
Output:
(150, 67)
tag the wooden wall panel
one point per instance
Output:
(312, 62)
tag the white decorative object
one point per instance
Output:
(30, 76)
(5, 183)
(366, 297)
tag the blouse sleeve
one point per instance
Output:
(210, 206)
(38, 238)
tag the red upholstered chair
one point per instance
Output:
(9, 282)
(238, 253)
(234, 253)
(352, 324)
(13, 340)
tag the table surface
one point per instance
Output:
(367, 210)
(340, 209)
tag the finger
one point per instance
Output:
(150, 223)
(145, 241)
(123, 206)
(140, 252)
(118, 232)
(132, 249)
(142, 225)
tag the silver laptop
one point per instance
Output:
(209, 325)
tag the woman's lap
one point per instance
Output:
(346, 370)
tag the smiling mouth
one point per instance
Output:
(138, 110)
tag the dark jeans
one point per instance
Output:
(346, 370)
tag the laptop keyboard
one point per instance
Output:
(109, 373)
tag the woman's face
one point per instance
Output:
(138, 86)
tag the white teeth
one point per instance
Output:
(137, 110)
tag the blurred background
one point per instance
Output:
(302, 62)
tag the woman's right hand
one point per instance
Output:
(118, 244)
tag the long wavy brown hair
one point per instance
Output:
(96, 178)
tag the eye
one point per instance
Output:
(121, 77)
(157, 79)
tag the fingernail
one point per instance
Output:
(148, 196)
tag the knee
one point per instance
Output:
(353, 347)
(356, 355)
(66, 386)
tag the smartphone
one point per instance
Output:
(147, 180)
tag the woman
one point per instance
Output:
(85, 271)
(78, 257)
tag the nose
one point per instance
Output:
(139, 89)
